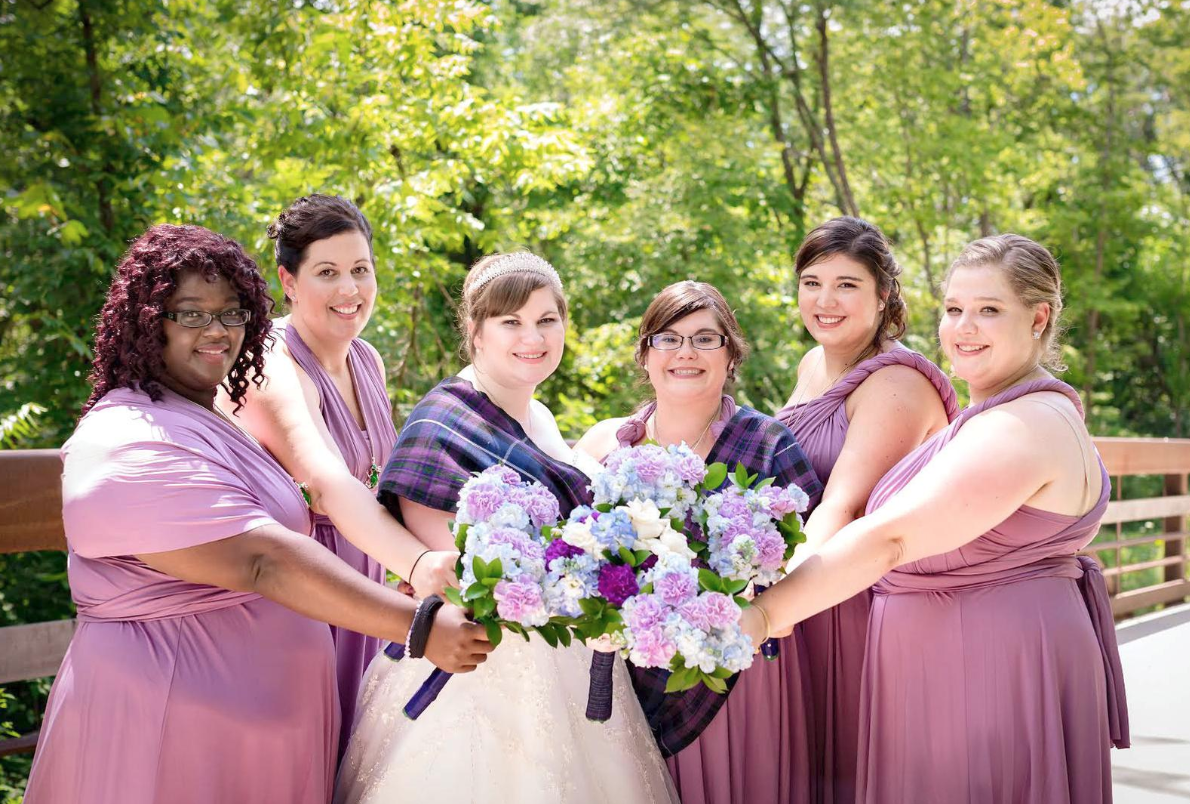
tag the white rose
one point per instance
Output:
(646, 519)
(579, 535)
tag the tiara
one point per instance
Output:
(521, 262)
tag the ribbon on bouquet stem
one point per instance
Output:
(599, 694)
(427, 693)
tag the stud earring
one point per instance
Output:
(1036, 336)
(881, 307)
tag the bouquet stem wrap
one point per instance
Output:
(599, 695)
(427, 693)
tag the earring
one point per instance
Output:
(1036, 336)
(881, 307)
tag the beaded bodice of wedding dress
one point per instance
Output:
(513, 731)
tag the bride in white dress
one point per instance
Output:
(515, 730)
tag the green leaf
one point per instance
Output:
(495, 569)
(461, 537)
(484, 607)
(628, 556)
(563, 635)
(741, 476)
(495, 634)
(479, 567)
(709, 581)
(714, 684)
(768, 481)
(592, 608)
(547, 633)
(640, 556)
(734, 587)
(716, 474)
(454, 596)
(475, 591)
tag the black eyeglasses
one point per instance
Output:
(705, 341)
(198, 319)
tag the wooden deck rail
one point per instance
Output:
(31, 519)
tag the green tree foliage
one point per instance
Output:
(633, 142)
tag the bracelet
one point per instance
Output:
(411, 569)
(419, 632)
(768, 626)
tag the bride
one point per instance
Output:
(515, 730)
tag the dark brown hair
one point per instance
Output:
(312, 218)
(500, 296)
(863, 242)
(680, 300)
(130, 337)
(1034, 276)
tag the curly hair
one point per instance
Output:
(129, 336)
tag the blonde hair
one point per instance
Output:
(485, 298)
(1034, 276)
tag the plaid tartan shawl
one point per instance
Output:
(456, 431)
(765, 447)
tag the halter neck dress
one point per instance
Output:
(992, 670)
(361, 449)
(835, 638)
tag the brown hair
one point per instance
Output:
(1034, 276)
(500, 296)
(680, 300)
(863, 242)
(312, 218)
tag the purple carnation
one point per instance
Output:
(733, 506)
(648, 563)
(505, 474)
(483, 500)
(617, 583)
(646, 611)
(540, 505)
(710, 610)
(520, 602)
(560, 549)
(675, 587)
(518, 541)
(691, 469)
(652, 648)
(651, 463)
(770, 549)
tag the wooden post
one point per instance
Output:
(1176, 485)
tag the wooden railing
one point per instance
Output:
(31, 519)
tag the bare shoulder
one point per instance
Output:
(810, 358)
(897, 382)
(601, 438)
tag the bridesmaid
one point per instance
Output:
(198, 671)
(750, 745)
(324, 412)
(992, 672)
(862, 402)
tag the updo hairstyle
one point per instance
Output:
(864, 243)
(1034, 276)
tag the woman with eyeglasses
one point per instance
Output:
(324, 413)
(751, 744)
(200, 670)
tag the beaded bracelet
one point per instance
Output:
(419, 631)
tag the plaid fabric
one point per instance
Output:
(765, 447)
(454, 432)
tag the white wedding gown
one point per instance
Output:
(514, 731)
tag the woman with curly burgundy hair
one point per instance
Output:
(198, 671)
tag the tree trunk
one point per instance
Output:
(106, 217)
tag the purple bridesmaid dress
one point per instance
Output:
(174, 691)
(992, 670)
(835, 638)
(362, 450)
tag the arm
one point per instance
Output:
(996, 463)
(304, 576)
(894, 410)
(283, 416)
(430, 525)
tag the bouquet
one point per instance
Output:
(752, 530)
(502, 572)
(653, 601)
